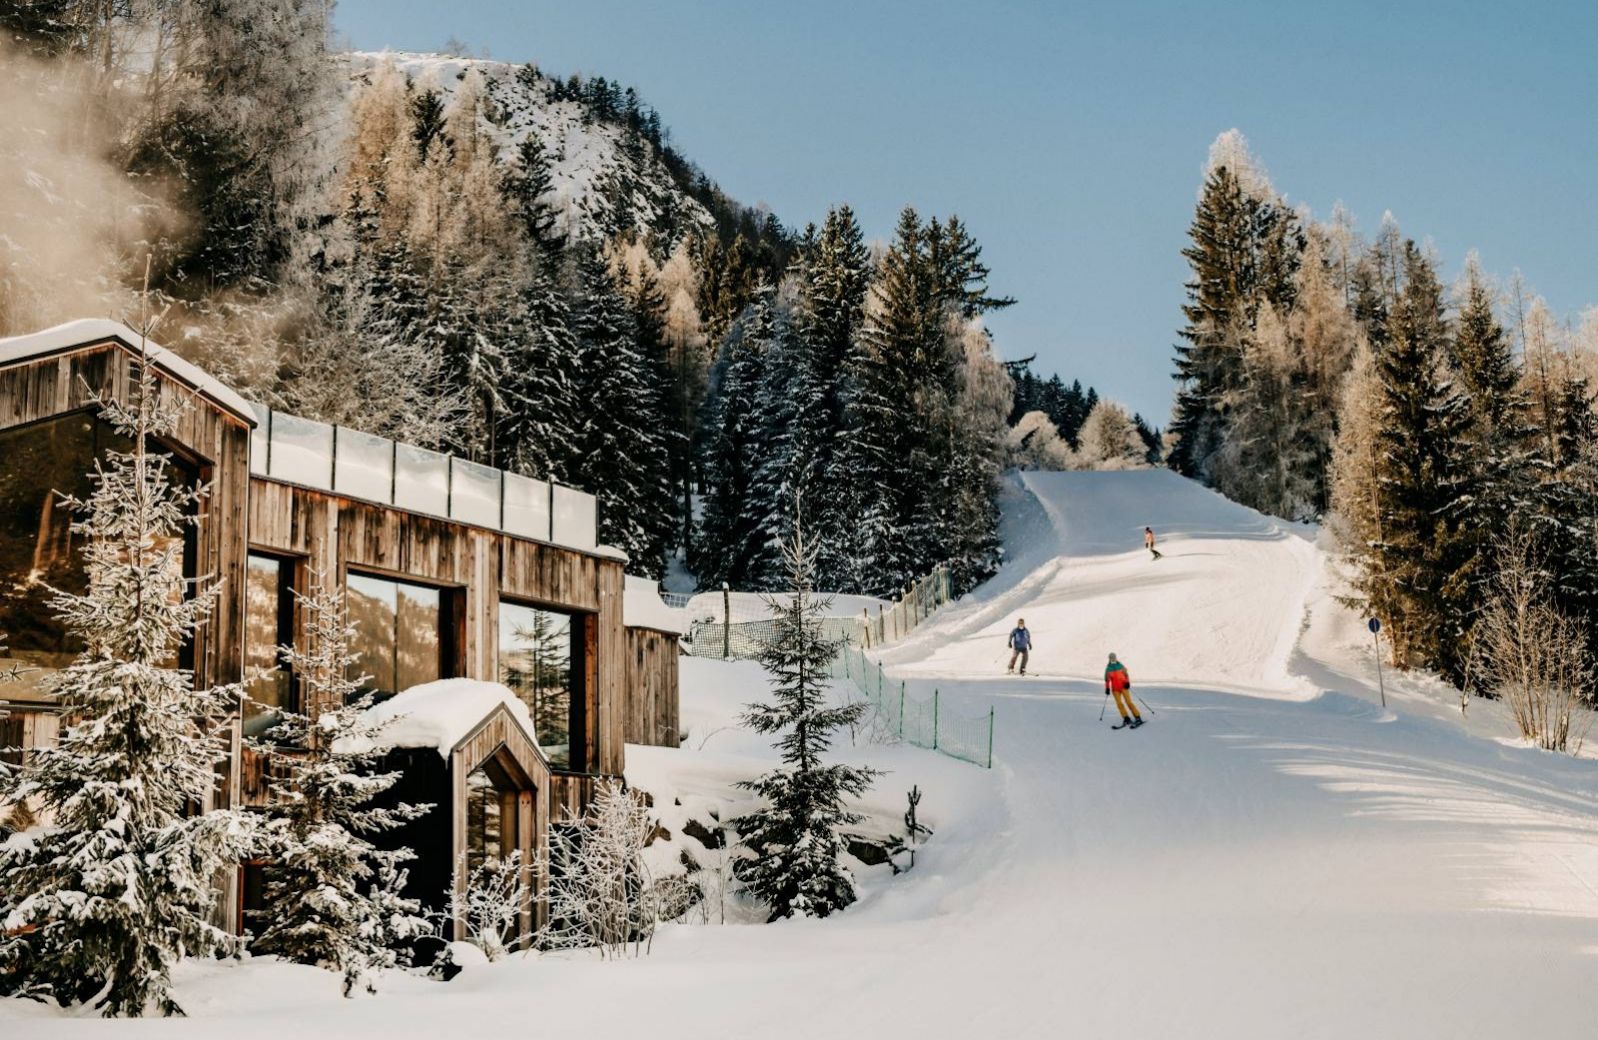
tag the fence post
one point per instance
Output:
(879, 682)
(901, 711)
(726, 621)
(990, 737)
(865, 623)
(934, 719)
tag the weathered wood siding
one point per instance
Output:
(652, 688)
(500, 737)
(328, 534)
(209, 437)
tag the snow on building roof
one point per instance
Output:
(88, 331)
(441, 714)
(642, 607)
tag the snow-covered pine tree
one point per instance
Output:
(99, 906)
(332, 897)
(797, 866)
(727, 547)
(528, 187)
(834, 278)
(901, 363)
(622, 440)
(1417, 577)
(1245, 250)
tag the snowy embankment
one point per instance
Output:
(1274, 855)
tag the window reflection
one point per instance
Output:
(40, 463)
(268, 624)
(491, 823)
(537, 651)
(400, 632)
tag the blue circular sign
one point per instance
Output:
(1375, 625)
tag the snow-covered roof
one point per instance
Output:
(443, 713)
(642, 607)
(88, 331)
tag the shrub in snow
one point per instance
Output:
(100, 904)
(1532, 655)
(332, 897)
(600, 892)
(797, 862)
(489, 899)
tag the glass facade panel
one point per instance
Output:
(401, 633)
(527, 507)
(364, 467)
(574, 518)
(40, 463)
(421, 480)
(474, 493)
(302, 451)
(268, 624)
(540, 658)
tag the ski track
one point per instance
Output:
(1274, 855)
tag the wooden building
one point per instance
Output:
(451, 570)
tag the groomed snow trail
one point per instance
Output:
(1265, 859)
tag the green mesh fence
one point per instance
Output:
(915, 718)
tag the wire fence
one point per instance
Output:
(915, 718)
(914, 606)
(740, 626)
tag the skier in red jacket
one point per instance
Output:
(1119, 684)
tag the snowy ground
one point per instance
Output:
(1273, 856)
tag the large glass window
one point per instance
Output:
(268, 624)
(40, 463)
(402, 632)
(541, 659)
(491, 822)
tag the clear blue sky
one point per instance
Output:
(1071, 137)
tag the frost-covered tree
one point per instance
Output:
(600, 893)
(1034, 443)
(332, 897)
(1110, 439)
(101, 904)
(797, 865)
(1271, 456)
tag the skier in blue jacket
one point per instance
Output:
(1020, 645)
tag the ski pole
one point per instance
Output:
(1145, 704)
(1105, 705)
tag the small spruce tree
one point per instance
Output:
(332, 897)
(100, 906)
(797, 867)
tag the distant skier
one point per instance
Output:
(1119, 684)
(1148, 542)
(1020, 645)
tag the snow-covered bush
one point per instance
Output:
(490, 900)
(1533, 656)
(797, 863)
(600, 892)
(99, 905)
(332, 897)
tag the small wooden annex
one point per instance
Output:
(452, 570)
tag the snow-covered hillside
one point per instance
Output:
(590, 163)
(1274, 855)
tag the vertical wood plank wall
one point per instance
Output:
(652, 715)
(207, 436)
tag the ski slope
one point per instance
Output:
(1275, 855)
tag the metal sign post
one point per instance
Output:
(1376, 643)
